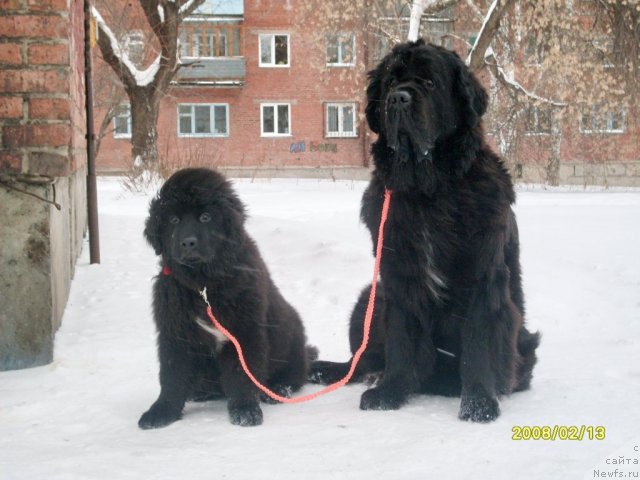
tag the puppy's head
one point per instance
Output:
(195, 216)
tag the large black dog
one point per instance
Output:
(450, 312)
(196, 224)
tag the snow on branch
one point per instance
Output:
(185, 9)
(475, 60)
(514, 85)
(114, 52)
(420, 8)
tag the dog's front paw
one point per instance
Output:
(159, 415)
(481, 409)
(245, 415)
(380, 398)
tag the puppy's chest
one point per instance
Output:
(206, 328)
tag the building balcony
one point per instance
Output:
(212, 71)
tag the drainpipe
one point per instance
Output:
(92, 190)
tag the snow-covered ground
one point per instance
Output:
(77, 418)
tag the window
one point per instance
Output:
(596, 120)
(275, 119)
(122, 121)
(274, 50)
(537, 121)
(341, 49)
(340, 120)
(203, 120)
(211, 41)
(134, 47)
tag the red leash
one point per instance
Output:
(365, 338)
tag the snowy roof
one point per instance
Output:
(221, 7)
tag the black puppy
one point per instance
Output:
(196, 225)
(450, 317)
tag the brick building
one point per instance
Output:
(274, 88)
(258, 92)
(42, 171)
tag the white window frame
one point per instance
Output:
(337, 37)
(341, 132)
(272, 43)
(603, 118)
(275, 119)
(128, 116)
(212, 119)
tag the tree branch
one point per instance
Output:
(187, 7)
(150, 8)
(437, 6)
(514, 86)
(424, 7)
(113, 53)
(475, 60)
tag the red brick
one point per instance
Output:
(42, 54)
(47, 26)
(49, 109)
(34, 81)
(10, 54)
(10, 162)
(6, 5)
(10, 107)
(36, 136)
(47, 5)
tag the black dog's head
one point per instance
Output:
(195, 216)
(419, 97)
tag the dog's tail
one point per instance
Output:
(312, 353)
(527, 344)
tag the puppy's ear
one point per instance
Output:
(152, 226)
(472, 96)
(233, 217)
(374, 102)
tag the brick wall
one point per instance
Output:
(307, 84)
(36, 83)
(42, 171)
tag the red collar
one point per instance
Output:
(166, 271)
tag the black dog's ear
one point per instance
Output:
(233, 216)
(152, 226)
(374, 102)
(471, 94)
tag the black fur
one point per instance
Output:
(196, 225)
(449, 318)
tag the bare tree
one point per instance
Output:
(145, 88)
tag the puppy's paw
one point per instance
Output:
(159, 415)
(245, 415)
(481, 409)
(380, 398)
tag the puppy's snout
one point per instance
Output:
(400, 99)
(189, 243)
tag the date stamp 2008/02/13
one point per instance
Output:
(559, 432)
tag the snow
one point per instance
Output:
(77, 417)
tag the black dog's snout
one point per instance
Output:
(400, 99)
(189, 243)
